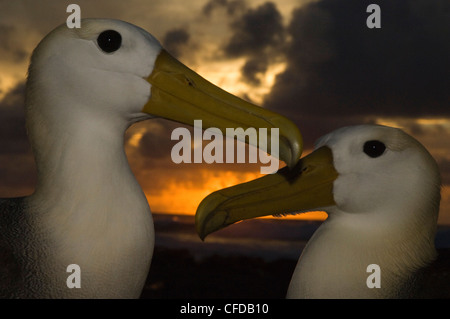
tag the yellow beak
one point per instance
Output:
(181, 95)
(306, 187)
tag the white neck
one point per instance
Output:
(90, 206)
(334, 263)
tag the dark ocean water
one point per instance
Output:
(251, 259)
(269, 239)
(266, 238)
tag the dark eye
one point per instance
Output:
(374, 148)
(109, 41)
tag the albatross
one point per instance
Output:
(85, 87)
(381, 190)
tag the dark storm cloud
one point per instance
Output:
(257, 34)
(175, 40)
(444, 167)
(11, 46)
(157, 143)
(13, 137)
(337, 68)
(17, 169)
(231, 6)
(253, 68)
(256, 30)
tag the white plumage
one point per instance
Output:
(88, 208)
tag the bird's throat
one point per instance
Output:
(336, 263)
(94, 211)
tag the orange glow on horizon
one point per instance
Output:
(184, 198)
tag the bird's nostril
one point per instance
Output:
(189, 82)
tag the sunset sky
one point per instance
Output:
(315, 62)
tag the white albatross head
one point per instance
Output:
(381, 190)
(381, 170)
